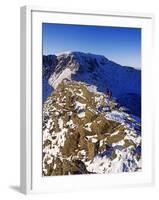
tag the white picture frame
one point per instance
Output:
(31, 137)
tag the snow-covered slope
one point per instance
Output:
(124, 82)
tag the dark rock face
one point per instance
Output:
(49, 64)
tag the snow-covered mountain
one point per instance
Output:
(124, 82)
(86, 129)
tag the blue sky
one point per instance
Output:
(122, 45)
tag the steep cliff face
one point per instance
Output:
(49, 64)
(86, 131)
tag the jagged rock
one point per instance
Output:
(92, 149)
(71, 144)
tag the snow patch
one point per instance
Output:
(56, 79)
(81, 114)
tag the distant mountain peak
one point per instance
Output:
(80, 54)
(64, 53)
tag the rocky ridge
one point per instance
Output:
(86, 131)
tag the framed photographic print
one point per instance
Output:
(86, 100)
